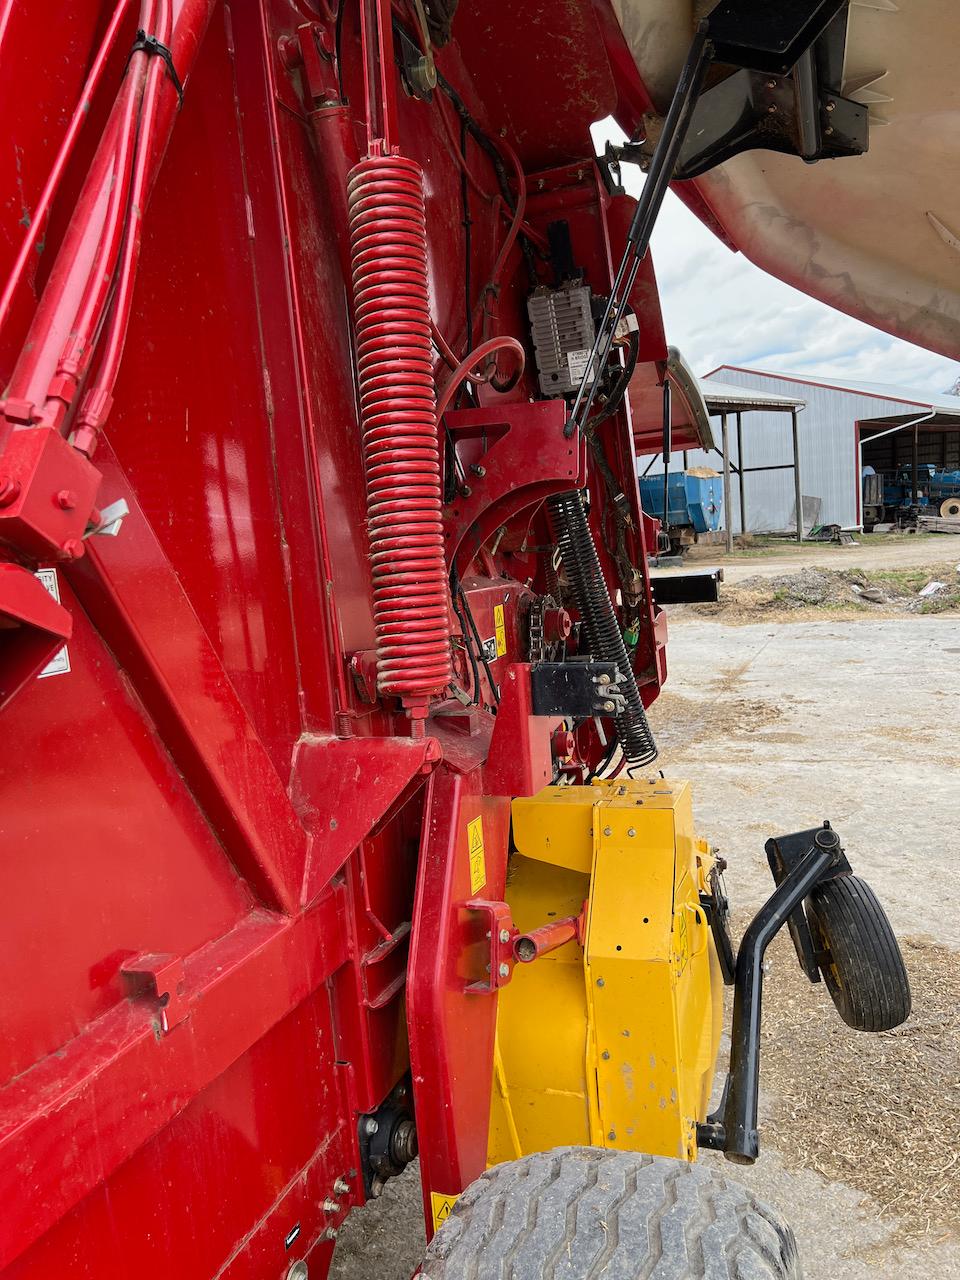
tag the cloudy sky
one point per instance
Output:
(720, 309)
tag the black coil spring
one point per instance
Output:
(579, 555)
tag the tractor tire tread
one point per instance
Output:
(584, 1213)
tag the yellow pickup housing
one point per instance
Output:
(614, 1043)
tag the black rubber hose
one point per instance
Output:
(579, 554)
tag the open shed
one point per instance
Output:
(844, 426)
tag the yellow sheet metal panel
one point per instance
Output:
(541, 1020)
(556, 826)
(614, 1044)
(648, 971)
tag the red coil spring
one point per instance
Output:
(388, 245)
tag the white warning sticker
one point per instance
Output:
(577, 362)
(59, 664)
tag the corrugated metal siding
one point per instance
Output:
(828, 459)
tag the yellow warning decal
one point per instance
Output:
(441, 1206)
(478, 863)
(501, 630)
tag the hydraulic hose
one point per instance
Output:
(579, 554)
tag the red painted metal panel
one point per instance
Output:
(233, 884)
(451, 1031)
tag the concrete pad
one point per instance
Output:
(779, 726)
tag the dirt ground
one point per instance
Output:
(767, 557)
(779, 723)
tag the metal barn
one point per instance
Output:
(842, 426)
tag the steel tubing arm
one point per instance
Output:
(737, 1135)
(658, 180)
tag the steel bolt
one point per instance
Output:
(370, 1126)
(290, 53)
(603, 678)
(831, 106)
(504, 935)
(608, 831)
(331, 1206)
(631, 831)
(612, 1135)
(605, 1055)
(600, 982)
(477, 470)
(828, 129)
(504, 971)
(9, 490)
(772, 109)
(341, 1186)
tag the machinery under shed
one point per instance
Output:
(846, 431)
(331, 825)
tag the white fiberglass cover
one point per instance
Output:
(877, 235)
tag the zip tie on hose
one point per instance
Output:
(154, 48)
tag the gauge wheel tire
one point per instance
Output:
(579, 1213)
(859, 955)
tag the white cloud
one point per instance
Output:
(718, 308)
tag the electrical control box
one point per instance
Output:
(563, 328)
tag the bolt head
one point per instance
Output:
(72, 549)
(66, 499)
(631, 831)
(371, 1126)
(608, 831)
(609, 706)
(504, 935)
(504, 971)
(605, 1055)
(9, 490)
(601, 983)
(612, 1135)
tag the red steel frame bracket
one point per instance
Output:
(452, 1029)
(33, 626)
(345, 788)
(47, 494)
(523, 440)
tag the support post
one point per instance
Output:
(667, 450)
(727, 512)
(796, 473)
(743, 498)
(914, 466)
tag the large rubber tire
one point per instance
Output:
(580, 1213)
(861, 961)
